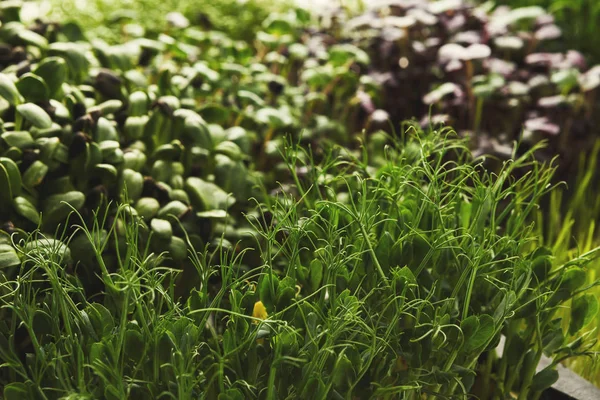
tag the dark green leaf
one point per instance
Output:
(483, 334)
(16, 391)
(583, 311)
(267, 289)
(544, 379)
(33, 88)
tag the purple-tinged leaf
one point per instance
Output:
(384, 78)
(365, 101)
(500, 67)
(392, 34)
(545, 19)
(574, 59)
(542, 125)
(491, 145)
(456, 23)
(544, 59)
(468, 37)
(548, 32)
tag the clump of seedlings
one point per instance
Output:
(180, 125)
(495, 74)
(188, 215)
(395, 278)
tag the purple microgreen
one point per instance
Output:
(468, 37)
(548, 32)
(543, 125)
(441, 92)
(499, 66)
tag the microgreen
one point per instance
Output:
(390, 279)
(189, 215)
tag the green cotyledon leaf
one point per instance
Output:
(9, 91)
(10, 181)
(33, 88)
(26, 209)
(54, 72)
(8, 257)
(35, 115)
(57, 207)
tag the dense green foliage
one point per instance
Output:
(110, 20)
(186, 214)
(343, 318)
(570, 228)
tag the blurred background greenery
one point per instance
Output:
(579, 20)
(106, 18)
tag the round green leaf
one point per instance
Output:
(26, 209)
(46, 247)
(35, 174)
(35, 115)
(32, 38)
(10, 180)
(19, 139)
(33, 88)
(162, 228)
(54, 72)
(8, 257)
(57, 207)
(9, 91)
